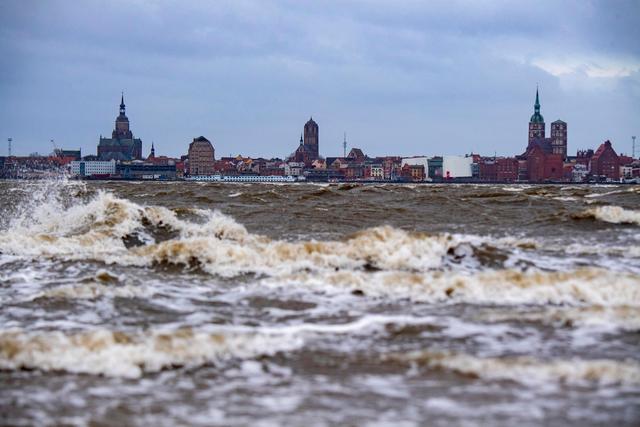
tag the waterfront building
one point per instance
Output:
(312, 138)
(457, 166)
(411, 172)
(122, 145)
(201, 157)
(84, 168)
(356, 155)
(146, 171)
(541, 163)
(416, 160)
(498, 169)
(558, 139)
(435, 168)
(605, 162)
(543, 159)
(308, 149)
(374, 171)
(506, 169)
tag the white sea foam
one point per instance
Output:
(614, 214)
(581, 287)
(121, 354)
(527, 370)
(94, 290)
(632, 189)
(598, 317)
(126, 354)
(217, 244)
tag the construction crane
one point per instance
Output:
(56, 150)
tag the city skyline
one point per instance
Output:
(245, 74)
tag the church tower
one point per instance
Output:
(122, 146)
(559, 138)
(536, 124)
(311, 138)
(121, 130)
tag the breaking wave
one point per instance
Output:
(527, 370)
(580, 287)
(118, 231)
(612, 214)
(380, 261)
(121, 354)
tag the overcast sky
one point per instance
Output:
(400, 77)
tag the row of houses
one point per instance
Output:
(535, 165)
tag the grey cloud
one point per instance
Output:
(406, 76)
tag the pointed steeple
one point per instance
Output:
(122, 107)
(537, 117)
(153, 151)
(301, 141)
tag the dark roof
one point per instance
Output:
(605, 146)
(356, 152)
(536, 118)
(201, 138)
(544, 144)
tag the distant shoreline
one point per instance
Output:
(450, 182)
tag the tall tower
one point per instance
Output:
(121, 130)
(344, 145)
(559, 138)
(311, 138)
(536, 124)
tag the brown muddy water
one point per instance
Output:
(267, 304)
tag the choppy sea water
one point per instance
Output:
(264, 304)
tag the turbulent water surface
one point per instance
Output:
(263, 304)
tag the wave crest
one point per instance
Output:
(581, 287)
(121, 354)
(118, 231)
(527, 370)
(612, 214)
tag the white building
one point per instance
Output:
(293, 168)
(90, 168)
(456, 166)
(377, 172)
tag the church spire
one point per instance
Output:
(122, 107)
(537, 117)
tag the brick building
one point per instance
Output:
(412, 172)
(536, 123)
(308, 150)
(122, 145)
(605, 162)
(201, 157)
(559, 138)
(544, 157)
(543, 164)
